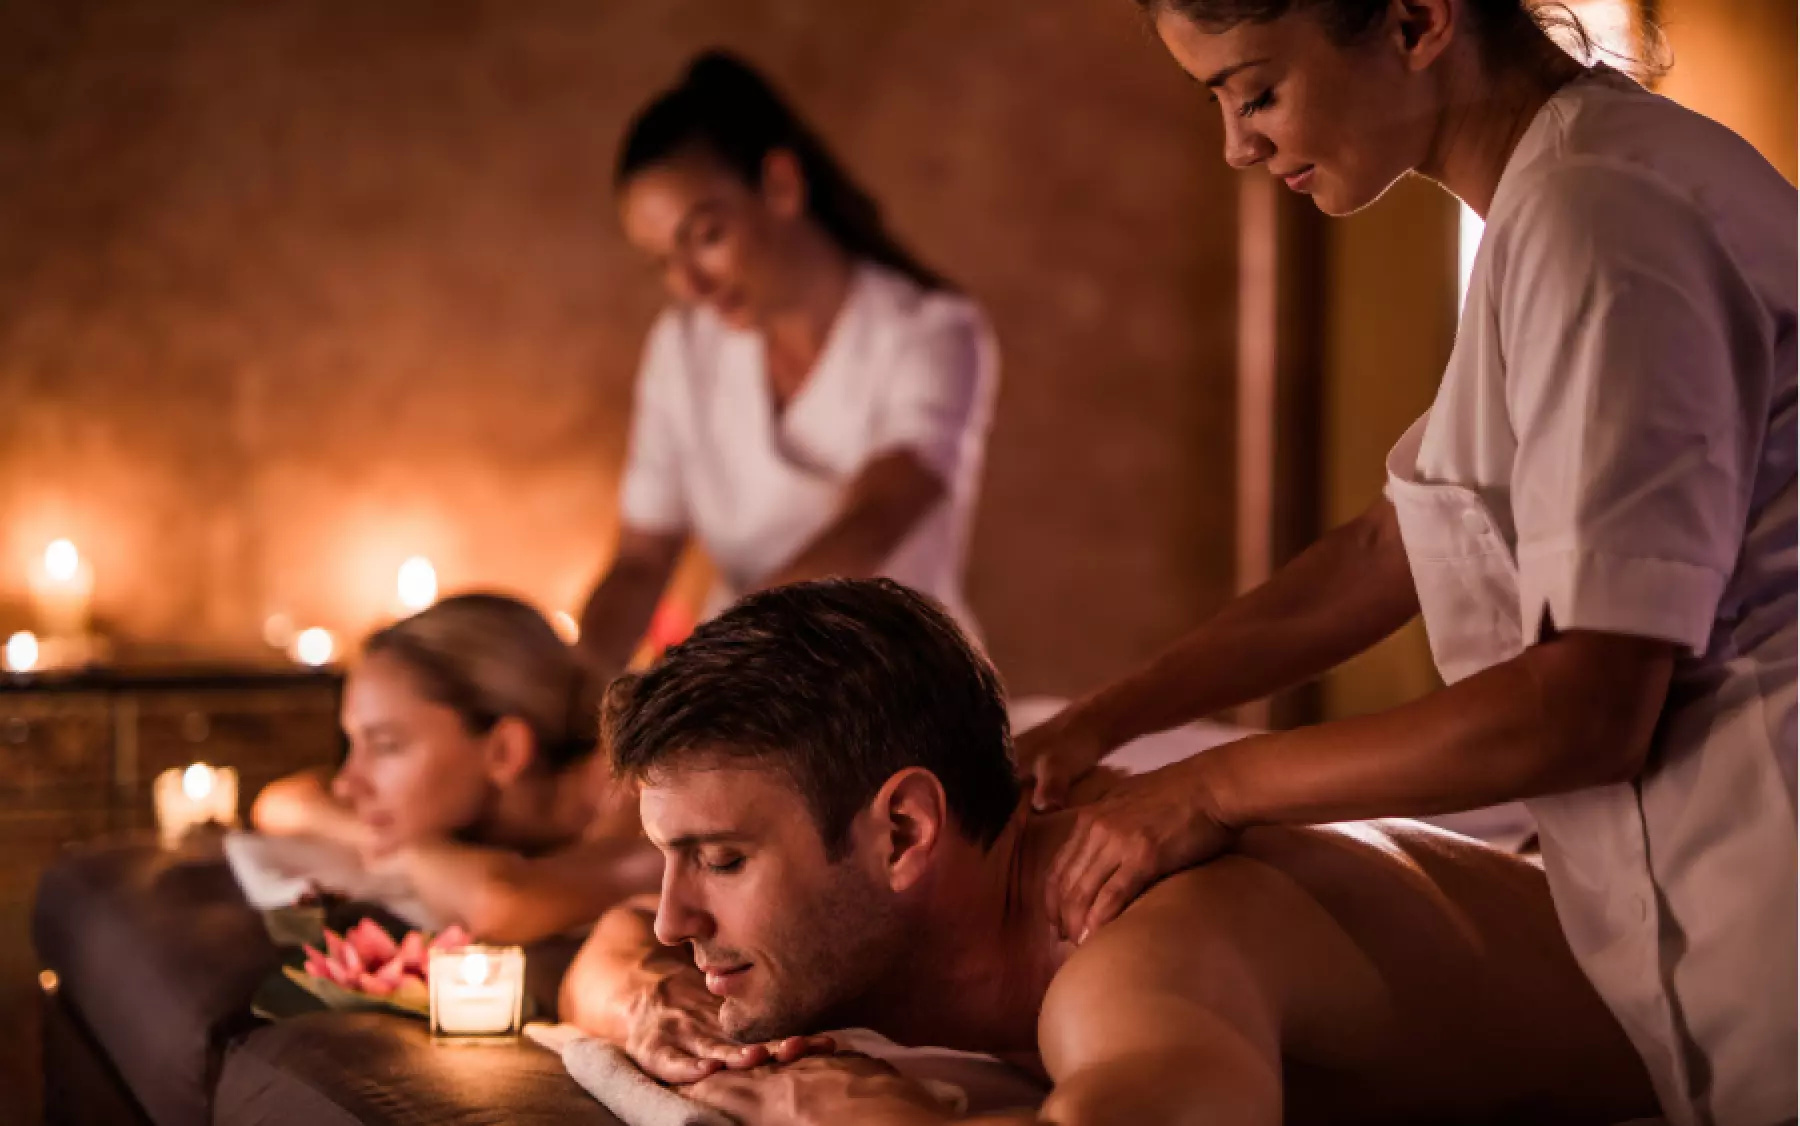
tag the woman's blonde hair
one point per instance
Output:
(488, 656)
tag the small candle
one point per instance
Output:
(62, 588)
(477, 991)
(198, 795)
(21, 652)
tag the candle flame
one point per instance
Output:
(314, 647)
(22, 651)
(62, 561)
(475, 968)
(418, 583)
(197, 781)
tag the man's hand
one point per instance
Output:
(1055, 755)
(672, 1032)
(821, 1091)
(1144, 829)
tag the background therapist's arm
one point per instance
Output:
(885, 501)
(619, 611)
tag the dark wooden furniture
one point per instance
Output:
(78, 754)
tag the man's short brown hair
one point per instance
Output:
(839, 684)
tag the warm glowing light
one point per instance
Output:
(418, 583)
(61, 561)
(314, 647)
(566, 626)
(22, 651)
(475, 968)
(197, 781)
(278, 631)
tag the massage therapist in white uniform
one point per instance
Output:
(1596, 519)
(814, 402)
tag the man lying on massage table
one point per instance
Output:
(826, 770)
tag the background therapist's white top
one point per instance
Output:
(1613, 449)
(902, 368)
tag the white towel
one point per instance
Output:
(963, 1082)
(276, 872)
(616, 1083)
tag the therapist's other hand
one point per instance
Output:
(1056, 754)
(1144, 829)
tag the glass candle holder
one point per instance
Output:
(477, 993)
(191, 797)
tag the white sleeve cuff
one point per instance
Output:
(1635, 596)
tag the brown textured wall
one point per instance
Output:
(291, 290)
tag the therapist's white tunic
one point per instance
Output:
(1613, 449)
(902, 368)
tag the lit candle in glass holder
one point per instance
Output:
(21, 652)
(192, 797)
(62, 589)
(477, 992)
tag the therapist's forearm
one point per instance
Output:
(1340, 596)
(1574, 712)
(618, 613)
(884, 503)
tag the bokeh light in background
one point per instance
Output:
(315, 647)
(61, 561)
(417, 584)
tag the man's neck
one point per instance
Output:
(983, 952)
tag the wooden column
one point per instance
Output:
(1281, 324)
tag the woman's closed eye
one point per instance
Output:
(1257, 104)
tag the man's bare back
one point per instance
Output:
(1384, 972)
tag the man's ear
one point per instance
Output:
(510, 749)
(1422, 29)
(783, 184)
(911, 816)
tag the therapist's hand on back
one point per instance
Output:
(1143, 829)
(1056, 754)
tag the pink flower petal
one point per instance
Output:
(317, 966)
(390, 974)
(374, 986)
(334, 946)
(353, 962)
(372, 943)
(411, 952)
(451, 937)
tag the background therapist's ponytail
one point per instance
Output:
(725, 107)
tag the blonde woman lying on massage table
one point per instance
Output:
(846, 845)
(472, 777)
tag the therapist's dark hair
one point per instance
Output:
(1498, 24)
(724, 106)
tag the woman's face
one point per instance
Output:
(715, 239)
(414, 772)
(1339, 123)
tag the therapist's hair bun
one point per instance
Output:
(488, 656)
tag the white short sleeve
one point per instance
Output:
(1638, 365)
(935, 394)
(652, 491)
